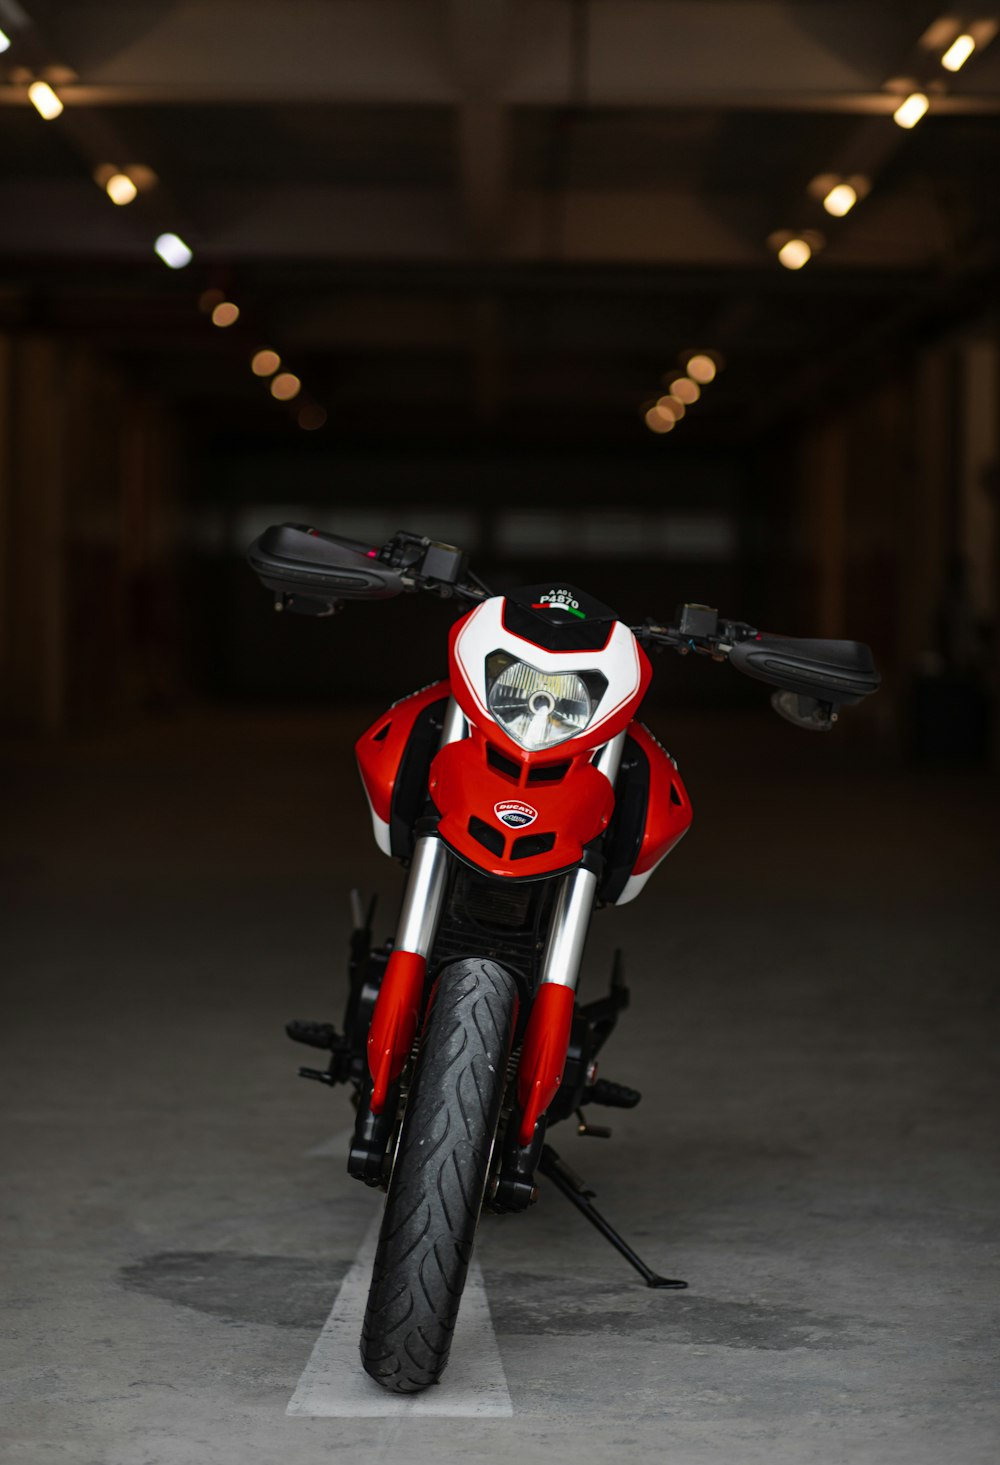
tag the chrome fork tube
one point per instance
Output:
(455, 726)
(575, 901)
(424, 896)
(568, 928)
(607, 760)
(418, 919)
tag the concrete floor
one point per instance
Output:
(813, 1025)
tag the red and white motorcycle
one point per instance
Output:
(520, 793)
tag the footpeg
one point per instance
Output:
(594, 1131)
(323, 1035)
(613, 1095)
(314, 1034)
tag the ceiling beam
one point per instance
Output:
(825, 55)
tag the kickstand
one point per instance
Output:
(575, 1190)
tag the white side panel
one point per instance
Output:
(634, 885)
(379, 826)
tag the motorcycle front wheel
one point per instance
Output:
(436, 1191)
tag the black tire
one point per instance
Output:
(436, 1190)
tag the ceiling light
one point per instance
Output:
(701, 369)
(658, 423)
(173, 251)
(285, 386)
(120, 189)
(840, 200)
(794, 253)
(225, 314)
(44, 100)
(958, 53)
(4, 42)
(910, 111)
(685, 389)
(311, 416)
(265, 363)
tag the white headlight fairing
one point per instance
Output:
(619, 663)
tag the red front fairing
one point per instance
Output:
(561, 814)
(519, 814)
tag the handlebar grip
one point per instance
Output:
(292, 559)
(841, 672)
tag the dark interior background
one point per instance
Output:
(482, 234)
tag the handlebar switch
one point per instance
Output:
(443, 563)
(698, 621)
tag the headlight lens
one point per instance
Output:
(536, 708)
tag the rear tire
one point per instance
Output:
(436, 1190)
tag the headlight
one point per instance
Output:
(536, 708)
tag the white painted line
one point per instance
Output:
(333, 1383)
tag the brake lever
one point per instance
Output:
(699, 630)
(426, 564)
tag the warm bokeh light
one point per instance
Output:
(44, 100)
(794, 254)
(120, 189)
(311, 416)
(142, 176)
(840, 200)
(958, 53)
(285, 386)
(701, 369)
(910, 111)
(685, 390)
(670, 406)
(173, 251)
(225, 314)
(656, 422)
(4, 42)
(265, 363)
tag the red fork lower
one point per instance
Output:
(543, 1055)
(394, 1022)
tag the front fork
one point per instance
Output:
(394, 1021)
(546, 1039)
(400, 998)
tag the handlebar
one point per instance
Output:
(312, 572)
(813, 678)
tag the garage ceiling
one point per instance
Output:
(501, 211)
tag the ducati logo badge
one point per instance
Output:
(515, 814)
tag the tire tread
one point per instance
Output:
(432, 1209)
